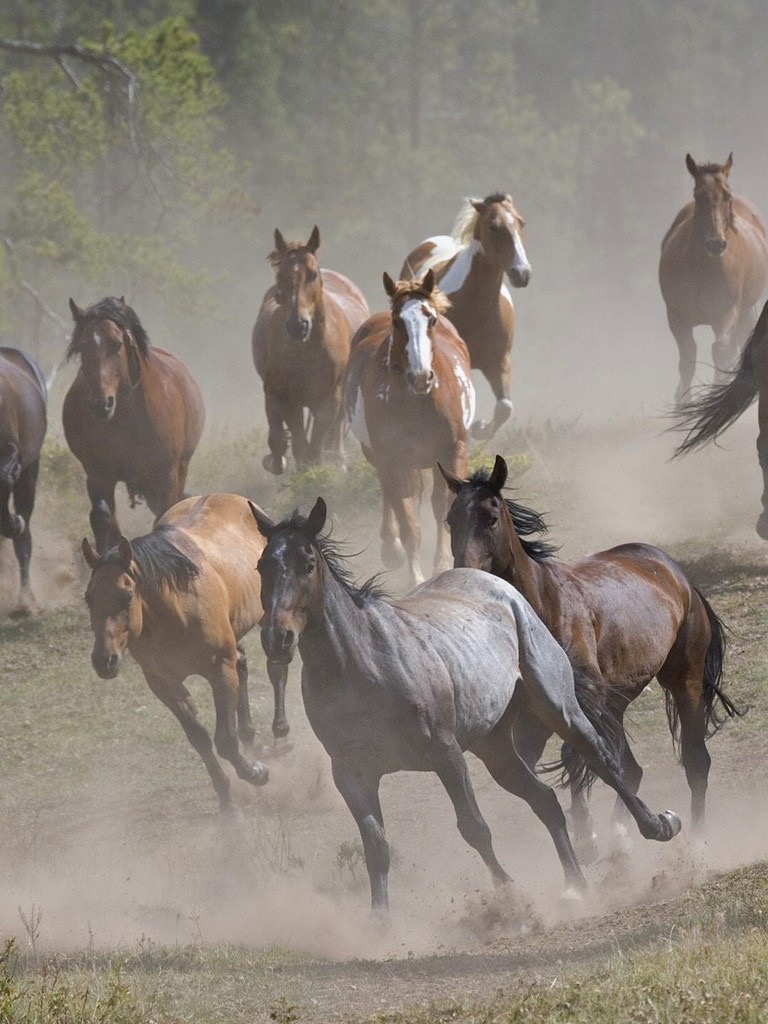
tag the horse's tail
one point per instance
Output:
(718, 707)
(706, 417)
(592, 695)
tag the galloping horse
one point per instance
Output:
(410, 684)
(410, 400)
(133, 414)
(713, 270)
(23, 419)
(300, 347)
(623, 616)
(707, 415)
(181, 599)
(487, 243)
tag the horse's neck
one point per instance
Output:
(525, 573)
(334, 631)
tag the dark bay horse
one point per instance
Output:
(23, 420)
(470, 265)
(410, 684)
(133, 414)
(180, 600)
(410, 400)
(713, 270)
(623, 616)
(300, 347)
(716, 407)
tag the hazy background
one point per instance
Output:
(373, 120)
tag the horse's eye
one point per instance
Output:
(309, 565)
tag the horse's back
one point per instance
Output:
(430, 254)
(24, 400)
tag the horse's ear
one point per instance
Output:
(389, 285)
(279, 242)
(77, 313)
(478, 204)
(690, 163)
(455, 483)
(125, 551)
(498, 477)
(264, 523)
(428, 284)
(728, 164)
(316, 518)
(90, 554)
(314, 240)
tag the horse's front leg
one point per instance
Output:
(294, 417)
(682, 332)
(762, 446)
(24, 503)
(225, 684)
(277, 436)
(278, 677)
(104, 524)
(499, 375)
(410, 534)
(360, 790)
(456, 463)
(392, 551)
(725, 347)
(325, 414)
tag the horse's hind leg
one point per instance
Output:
(498, 754)
(448, 762)
(361, 793)
(24, 503)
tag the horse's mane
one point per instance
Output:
(407, 289)
(159, 561)
(466, 219)
(526, 521)
(334, 558)
(116, 310)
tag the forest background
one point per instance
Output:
(153, 146)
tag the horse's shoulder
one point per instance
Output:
(683, 215)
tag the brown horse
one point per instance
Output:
(410, 400)
(133, 414)
(180, 600)
(487, 243)
(713, 270)
(23, 419)
(300, 348)
(623, 616)
(707, 415)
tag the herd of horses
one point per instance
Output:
(505, 645)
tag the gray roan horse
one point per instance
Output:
(409, 684)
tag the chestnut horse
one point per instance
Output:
(300, 348)
(713, 270)
(23, 420)
(709, 413)
(623, 616)
(180, 600)
(487, 243)
(133, 414)
(410, 400)
(410, 684)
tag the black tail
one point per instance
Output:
(718, 707)
(592, 695)
(706, 417)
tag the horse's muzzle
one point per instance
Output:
(298, 328)
(103, 408)
(421, 383)
(519, 276)
(105, 665)
(279, 644)
(715, 246)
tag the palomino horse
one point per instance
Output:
(487, 243)
(713, 270)
(133, 414)
(180, 600)
(300, 349)
(707, 415)
(23, 417)
(410, 684)
(623, 616)
(410, 400)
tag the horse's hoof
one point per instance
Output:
(259, 774)
(674, 825)
(274, 464)
(572, 896)
(762, 526)
(280, 730)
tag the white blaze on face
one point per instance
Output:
(416, 315)
(96, 339)
(520, 259)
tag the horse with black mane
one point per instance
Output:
(23, 420)
(180, 600)
(134, 414)
(623, 616)
(410, 684)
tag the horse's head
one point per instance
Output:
(713, 203)
(476, 519)
(498, 227)
(416, 306)
(289, 568)
(114, 604)
(111, 343)
(298, 282)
